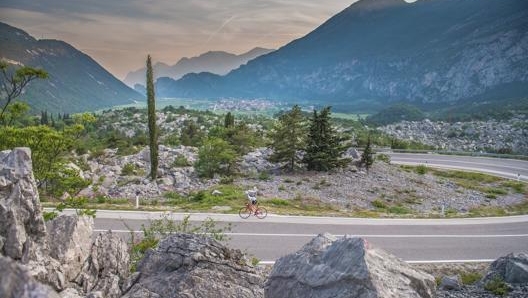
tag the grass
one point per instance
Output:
(497, 286)
(469, 278)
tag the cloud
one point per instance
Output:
(119, 33)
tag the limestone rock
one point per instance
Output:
(186, 265)
(16, 282)
(449, 283)
(21, 223)
(346, 267)
(512, 268)
(69, 238)
(106, 269)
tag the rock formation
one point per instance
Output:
(22, 226)
(346, 267)
(512, 268)
(185, 265)
(16, 282)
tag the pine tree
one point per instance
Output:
(324, 147)
(367, 157)
(153, 134)
(288, 137)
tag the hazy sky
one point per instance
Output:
(119, 33)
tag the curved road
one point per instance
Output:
(413, 240)
(507, 168)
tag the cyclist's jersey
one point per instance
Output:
(252, 196)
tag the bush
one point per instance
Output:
(470, 278)
(421, 169)
(180, 161)
(383, 157)
(497, 286)
(278, 202)
(129, 169)
(264, 176)
(159, 228)
(379, 204)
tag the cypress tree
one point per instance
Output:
(151, 110)
(229, 120)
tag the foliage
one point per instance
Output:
(80, 204)
(288, 137)
(396, 113)
(324, 148)
(153, 131)
(497, 286)
(229, 120)
(181, 161)
(216, 156)
(159, 228)
(421, 169)
(49, 148)
(66, 180)
(383, 157)
(240, 137)
(130, 169)
(12, 83)
(367, 157)
(379, 204)
(191, 134)
(469, 278)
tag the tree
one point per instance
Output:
(324, 148)
(153, 133)
(288, 137)
(367, 157)
(13, 83)
(229, 120)
(191, 134)
(216, 156)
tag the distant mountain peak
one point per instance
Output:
(216, 62)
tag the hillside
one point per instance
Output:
(217, 62)
(76, 82)
(382, 51)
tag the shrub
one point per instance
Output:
(129, 169)
(421, 169)
(379, 204)
(497, 286)
(399, 210)
(264, 176)
(278, 202)
(159, 228)
(469, 278)
(180, 161)
(383, 157)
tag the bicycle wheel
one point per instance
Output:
(244, 212)
(261, 212)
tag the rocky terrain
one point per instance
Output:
(505, 136)
(61, 258)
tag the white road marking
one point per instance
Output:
(418, 261)
(356, 235)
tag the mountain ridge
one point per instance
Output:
(377, 52)
(217, 62)
(76, 82)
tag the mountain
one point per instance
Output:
(376, 52)
(217, 62)
(76, 82)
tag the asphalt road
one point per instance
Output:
(508, 168)
(414, 240)
(418, 240)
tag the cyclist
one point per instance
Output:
(252, 197)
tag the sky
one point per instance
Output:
(119, 34)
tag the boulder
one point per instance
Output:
(21, 223)
(69, 238)
(106, 268)
(449, 283)
(16, 282)
(189, 265)
(512, 268)
(345, 267)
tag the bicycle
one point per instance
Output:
(260, 212)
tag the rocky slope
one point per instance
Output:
(506, 136)
(217, 62)
(379, 51)
(61, 257)
(76, 82)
